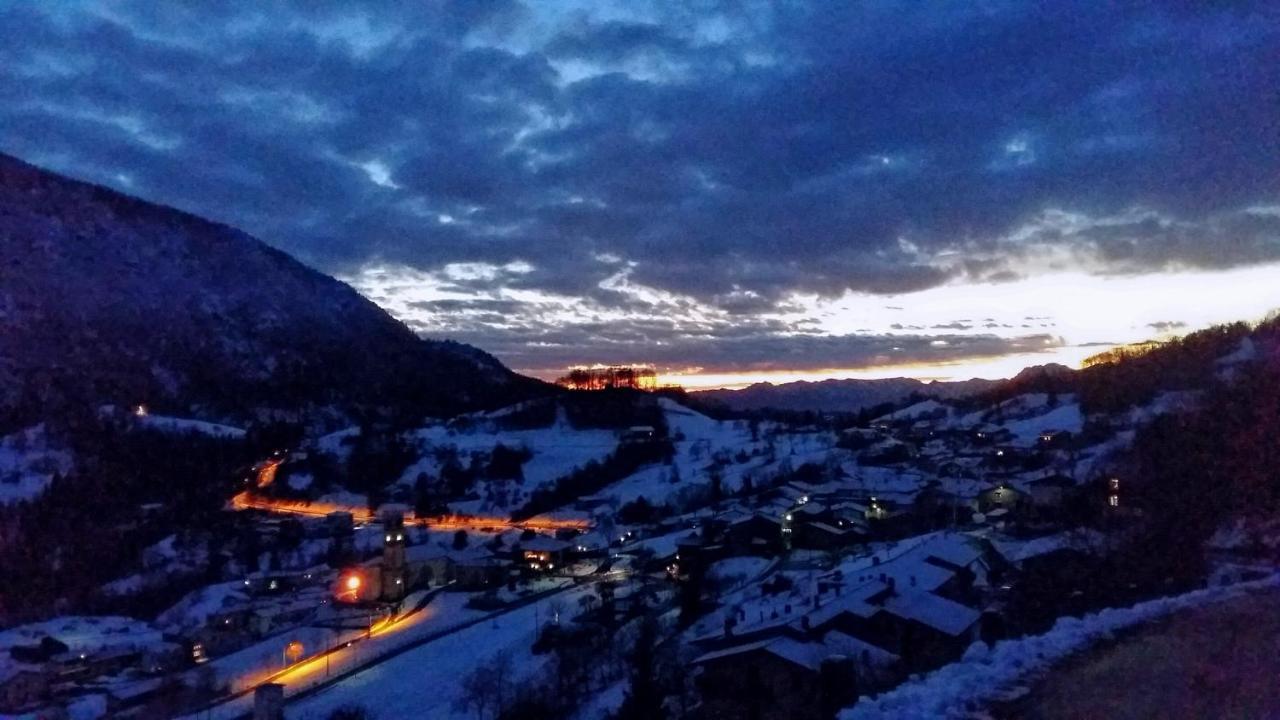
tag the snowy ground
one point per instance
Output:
(185, 425)
(28, 462)
(85, 633)
(960, 690)
(425, 681)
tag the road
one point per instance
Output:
(250, 500)
(385, 642)
(247, 500)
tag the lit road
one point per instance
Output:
(267, 472)
(446, 616)
(249, 500)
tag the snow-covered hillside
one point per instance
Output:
(28, 462)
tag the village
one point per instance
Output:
(796, 567)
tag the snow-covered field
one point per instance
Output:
(425, 682)
(185, 425)
(86, 634)
(28, 462)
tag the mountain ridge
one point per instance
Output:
(110, 298)
(845, 395)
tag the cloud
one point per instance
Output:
(733, 156)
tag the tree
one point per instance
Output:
(487, 689)
(460, 540)
(423, 501)
(643, 700)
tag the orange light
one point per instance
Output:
(353, 583)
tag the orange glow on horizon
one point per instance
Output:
(986, 368)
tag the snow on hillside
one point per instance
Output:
(921, 410)
(337, 443)
(191, 612)
(557, 450)
(701, 442)
(186, 425)
(28, 462)
(88, 634)
(961, 689)
(1063, 417)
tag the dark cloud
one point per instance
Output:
(733, 153)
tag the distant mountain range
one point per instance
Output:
(105, 298)
(854, 395)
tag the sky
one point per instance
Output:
(729, 190)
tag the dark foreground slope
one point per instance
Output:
(106, 298)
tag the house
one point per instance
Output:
(1005, 458)
(908, 608)
(1049, 492)
(591, 544)
(778, 678)
(923, 628)
(545, 553)
(1001, 497)
(754, 533)
(639, 434)
(1054, 439)
(989, 435)
(822, 535)
(480, 572)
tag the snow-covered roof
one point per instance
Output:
(933, 610)
(807, 654)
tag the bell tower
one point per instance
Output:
(393, 564)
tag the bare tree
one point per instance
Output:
(487, 689)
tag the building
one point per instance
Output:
(392, 568)
(778, 678)
(639, 434)
(1054, 439)
(1001, 497)
(1049, 492)
(386, 579)
(545, 553)
(863, 625)
(268, 702)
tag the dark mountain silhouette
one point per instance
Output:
(840, 395)
(105, 298)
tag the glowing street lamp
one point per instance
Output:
(349, 588)
(293, 651)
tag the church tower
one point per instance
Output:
(393, 563)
